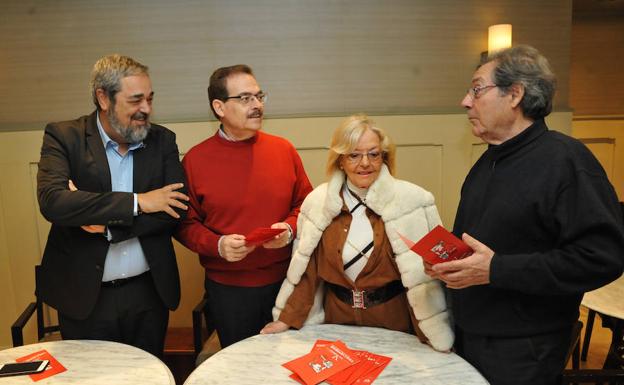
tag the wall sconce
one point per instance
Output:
(499, 37)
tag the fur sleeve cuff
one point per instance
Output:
(280, 302)
(439, 332)
(427, 299)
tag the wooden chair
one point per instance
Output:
(591, 316)
(43, 330)
(574, 351)
(205, 340)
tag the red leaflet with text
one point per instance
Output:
(439, 245)
(54, 367)
(379, 364)
(322, 362)
(261, 235)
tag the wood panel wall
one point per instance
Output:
(406, 61)
(314, 58)
(597, 51)
(604, 136)
(435, 151)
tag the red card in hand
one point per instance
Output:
(439, 245)
(54, 367)
(261, 235)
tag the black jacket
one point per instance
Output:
(73, 260)
(544, 204)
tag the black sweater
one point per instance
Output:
(544, 204)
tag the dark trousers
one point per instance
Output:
(239, 312)
(132, 314)
(532, 360)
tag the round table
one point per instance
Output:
(607, 301)
(90, 362)
(258, 359)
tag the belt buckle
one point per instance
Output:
(358, 299)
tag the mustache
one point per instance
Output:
(255, 113)
(140, 116)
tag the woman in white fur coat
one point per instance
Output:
(349, 265)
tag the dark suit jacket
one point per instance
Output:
(73, 260)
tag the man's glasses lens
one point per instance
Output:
(247, 98)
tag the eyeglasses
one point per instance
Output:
(372, 156)
(476, 91)
(246, 98)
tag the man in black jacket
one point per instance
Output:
(111, 183)
(544, 223)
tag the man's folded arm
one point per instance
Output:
(150, 222)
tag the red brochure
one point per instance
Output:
(54, 367)
(366, 368)
(375, 364)
(296, 377)
(352, 373)
(439, 245)
(261, 235)
(369, 377)
(322, 362)
(320, 343)
(340, 377)
(379, 364)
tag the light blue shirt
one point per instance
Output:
(124, 259)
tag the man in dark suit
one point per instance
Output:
(111, 185)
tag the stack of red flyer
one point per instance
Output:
(439, 245)
(54, 367)
(336, 364)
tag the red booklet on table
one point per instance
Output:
(54, 367)
(261, 235)
(321, 363)
(364, 372)
(439, 245)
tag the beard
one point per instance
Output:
(130, 134)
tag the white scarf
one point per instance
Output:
(360, 233)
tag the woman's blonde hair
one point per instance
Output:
(346, 136)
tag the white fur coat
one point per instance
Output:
(403, 207)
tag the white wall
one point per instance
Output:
(434, 151)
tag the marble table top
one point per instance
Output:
(91, 362)
(258, 360)
(607, 299)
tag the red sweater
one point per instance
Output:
(235, 187)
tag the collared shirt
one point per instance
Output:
(225, 135)
(124, 259)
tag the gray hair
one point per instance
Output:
(108, 72)
(524, 65)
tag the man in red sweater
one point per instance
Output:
(240, 179)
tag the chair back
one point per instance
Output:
(574, 350)
(43, 330)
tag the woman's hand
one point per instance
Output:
(274, 327)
